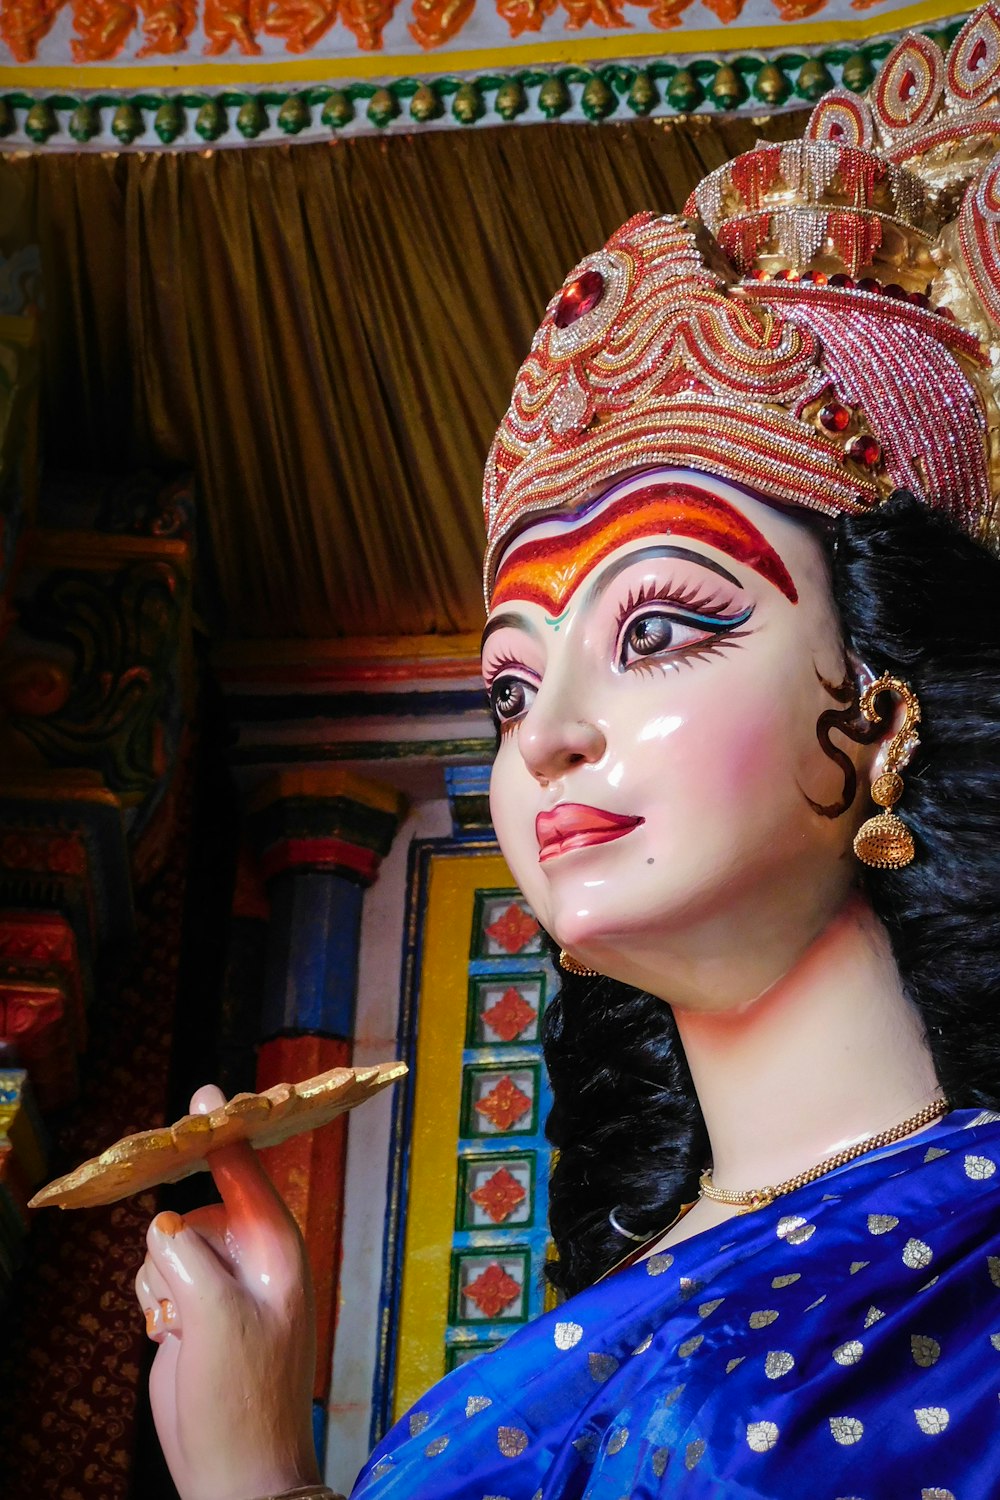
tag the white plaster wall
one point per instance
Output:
(377, 1021)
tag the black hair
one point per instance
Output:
(918, 599)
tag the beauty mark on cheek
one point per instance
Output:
(550, 570)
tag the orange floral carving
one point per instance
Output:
(229, 21)
(300, 22)
(666, 14)
(524, 15)
(513, 929)
(23, 24)
(509, 1016)
(798, 10)
(166, 26)
(102, 28)
(605, 13)
(437, 21)
(505, 1104)
(730, 10)
(366, 20)
(493, 1290)
(499, 1195)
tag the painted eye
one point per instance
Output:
(510, 699)
(648, 635)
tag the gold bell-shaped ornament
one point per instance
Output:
(884, 841)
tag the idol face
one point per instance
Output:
(658, 668)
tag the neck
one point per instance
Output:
(831, 1053)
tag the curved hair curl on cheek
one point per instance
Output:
(852, 724)
(917, 598)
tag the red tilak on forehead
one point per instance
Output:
(547, 572)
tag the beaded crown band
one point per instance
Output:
(822, 326)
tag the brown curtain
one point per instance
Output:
(327, 336)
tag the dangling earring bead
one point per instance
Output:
(884, 841)
(574, 966)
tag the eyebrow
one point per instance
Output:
(646, 554)
(500, 622)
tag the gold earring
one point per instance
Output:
(574, 966)
(884, 841)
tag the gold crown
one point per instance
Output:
(823, 326)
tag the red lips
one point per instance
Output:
(574, 826)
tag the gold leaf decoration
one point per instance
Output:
(693, 1453)
(657, 1264)
(849, 1353)
(567, 1335)
(932, 1419)
(794, 1230)
(602, 1366)
(511, 1441)
(847, 1430)
(779, 1362)
(916, 1255)
(925, 1350)
(763, 1318)
(762, 1436)
(881, 1223)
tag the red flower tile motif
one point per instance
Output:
(505, 1104)
(513, 929)
(499, 1195)
(509, 1016)
(492, 1291)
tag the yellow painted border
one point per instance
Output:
(614, 48)
(433, 1144)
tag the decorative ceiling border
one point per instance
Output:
(662, 88)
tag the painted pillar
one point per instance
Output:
(321, 835)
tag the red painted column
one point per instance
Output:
(321, 836)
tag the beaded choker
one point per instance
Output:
(746, 1201)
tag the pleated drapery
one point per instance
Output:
(327, 336)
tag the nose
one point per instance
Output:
(553, 739)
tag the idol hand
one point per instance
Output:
(227, 1296)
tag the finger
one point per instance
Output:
(159, 1308)
(188, 1264)
(207, 1098)
(258, 1216)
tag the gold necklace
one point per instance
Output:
(753, 1198)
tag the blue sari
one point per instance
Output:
(843, 1344)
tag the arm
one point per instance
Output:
(227, 1296)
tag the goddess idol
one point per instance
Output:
(743, 653)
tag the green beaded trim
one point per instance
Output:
(666, 88)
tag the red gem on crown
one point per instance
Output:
(865, 450)
(834, 417)
(580, 297)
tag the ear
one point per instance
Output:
(892, 707)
